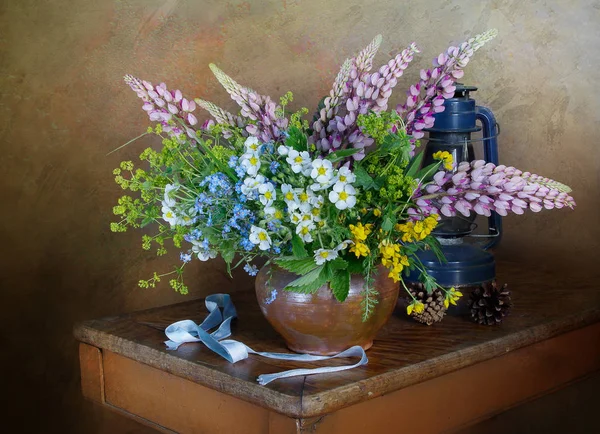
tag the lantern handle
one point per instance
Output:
(491, 129)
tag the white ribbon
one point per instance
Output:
(187, 330)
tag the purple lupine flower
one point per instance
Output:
(261, 110)
(483, 187)
(338, 95)
(220, 115)
(426, 98)
(163, 105)
(368, 92)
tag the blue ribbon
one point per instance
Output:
(187, 330)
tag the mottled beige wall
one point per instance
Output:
(63, 106)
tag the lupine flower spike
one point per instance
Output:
(426, 97)
(484, 187)
(163, 105)
(267, 126)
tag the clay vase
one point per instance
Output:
(318, 323)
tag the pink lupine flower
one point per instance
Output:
(165, 106)
(484, 187)
(426, 97)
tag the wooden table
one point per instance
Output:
(418, 380)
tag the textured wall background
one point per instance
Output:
(63, 106)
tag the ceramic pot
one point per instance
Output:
(318, 323)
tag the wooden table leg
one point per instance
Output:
(92, 374)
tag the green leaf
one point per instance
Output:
(413, 166)
(228, 255)
(426, 173)
(341, 154)
(309, 288)
(338, 264)
(388, 224)
(355, 265)
(297, 140)
(429, 283)
(436, 248)
(363, 179)
(298, 247)
(340, 284)
(146, 221)
(308, 278)
(310, 282)
(295, 265)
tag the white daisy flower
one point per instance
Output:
(267, 193)
(187, 219)
(303, 229)
(250, 185)
(322, 171)
(299, 217)
(169, 216)
(252, 145)
(250, 162)
(296, 217)
(317, 201)
(261, 237)
(289, 196)
(304, 200)
(315, 214)
(345, 175)
(283, 150)
(298, 160)
(324, 255)
(169, 201)
(343, 196)
(273, 212)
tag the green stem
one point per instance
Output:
(415, 190)
(131, 141)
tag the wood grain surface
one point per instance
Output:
(405, 352)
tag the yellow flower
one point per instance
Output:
(446, 157)
(360, 249)
(419, 307)
(417, 231)
(360, 232)
(388, 249)
(377, 212)
(452, 296)
(415, 306)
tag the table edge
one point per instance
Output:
(318, 404)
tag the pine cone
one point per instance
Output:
(434, 309)
(489, 304)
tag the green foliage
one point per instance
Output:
(336, 156)
(296, 139)
(388, 224)
(295, 265)
(363, 179)
(296, 119)
(414, 165)
(426, 174)
(307, 278)
(369, 293)
(377, 125)
(340, 284)
(298, 248)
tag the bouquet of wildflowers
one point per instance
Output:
(338, 195)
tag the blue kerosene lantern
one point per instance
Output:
(468, 261)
